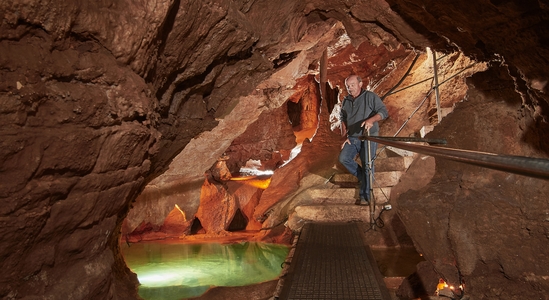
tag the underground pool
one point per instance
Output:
(171, 270)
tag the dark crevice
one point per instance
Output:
(64, 172)
(294, 113)
(24, 28)
(196, 226)
(376, 23)
(88, 42)
(284, 58)
(140, 118)
(239, 222)
(316, 16)
(134, 117)
(197, 80)
(482, 47)
(433, 37)
(331, 96)
(162, 36)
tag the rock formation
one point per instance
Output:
(110, 105)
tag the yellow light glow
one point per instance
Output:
(182, 212)
(441, 285)
(262, 184)
(242, 178)
(256, 181)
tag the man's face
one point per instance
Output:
(353, 86)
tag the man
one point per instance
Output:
(360, 112)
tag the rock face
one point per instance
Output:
(103, 103)
(77, 137)
(483, 227)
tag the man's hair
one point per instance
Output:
(356, 76)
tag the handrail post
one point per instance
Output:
(370, 187)
(435, 75)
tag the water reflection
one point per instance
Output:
(397, 262)
(178, 271)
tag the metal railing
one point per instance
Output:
(528, 166)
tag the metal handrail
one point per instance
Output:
(528, 166)
(408, 139)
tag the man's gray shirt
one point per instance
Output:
(355, 111)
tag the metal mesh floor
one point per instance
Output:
(331, 261)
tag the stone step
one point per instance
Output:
(333, 213)
(396, 163)
(382, 179)
(329, 213)
(385, 179)
(345, 195)
(392, 151)
(333, 196)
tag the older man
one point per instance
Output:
(360, 112)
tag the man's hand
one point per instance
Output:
(343, 129)
(346, 142)
(369, 123)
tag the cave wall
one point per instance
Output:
(485, 228)
(95, 105)
(77, 138)
(512, 32)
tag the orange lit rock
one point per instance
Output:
(268, 140)
(247, 197)
(216, 209)
(176, 224)
(144, 232)
(157, 202)
(219, 171)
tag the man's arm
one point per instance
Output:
(343, 129)
(369, 123)
(380, 108)
(381, 113)
(343, 119)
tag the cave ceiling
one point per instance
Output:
(203, 60)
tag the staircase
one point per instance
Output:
(334, 201)
(390, 165)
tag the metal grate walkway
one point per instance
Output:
(331, 261)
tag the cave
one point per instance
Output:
(125, 121)
(239, 222)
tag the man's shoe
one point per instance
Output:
(362, 201)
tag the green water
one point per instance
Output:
(178, 271)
